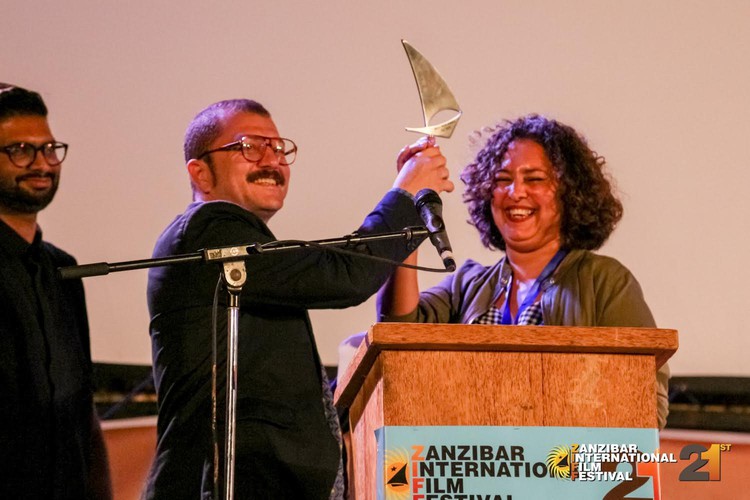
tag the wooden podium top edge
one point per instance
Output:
(661, 343)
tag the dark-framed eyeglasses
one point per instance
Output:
(23, 154)
(253, 147)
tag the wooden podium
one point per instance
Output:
(437, 374)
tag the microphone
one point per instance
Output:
(430, 208)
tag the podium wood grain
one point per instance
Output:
(420, 374)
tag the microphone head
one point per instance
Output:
(425, 196)
(430, 208)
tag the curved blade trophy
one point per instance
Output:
(434, 94)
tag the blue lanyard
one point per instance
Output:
(530, 298)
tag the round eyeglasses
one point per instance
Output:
(23, 154)
(253, 147)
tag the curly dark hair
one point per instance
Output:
(590, 209)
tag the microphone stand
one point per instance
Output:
(234, 276)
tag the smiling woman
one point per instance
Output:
(537, 192)
(525, 206)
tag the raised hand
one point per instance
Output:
(421, 165)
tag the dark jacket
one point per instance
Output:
(586, 289)
(285, 447)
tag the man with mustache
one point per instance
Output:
(51, 444)
(288, 439)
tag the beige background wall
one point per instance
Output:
(659, 88)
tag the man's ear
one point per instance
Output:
(201, 175)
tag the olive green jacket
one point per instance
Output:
(586, 289)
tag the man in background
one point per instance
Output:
(288, 440)
(51, 444)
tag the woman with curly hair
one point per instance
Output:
(537, 192)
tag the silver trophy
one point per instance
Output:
(434, 94)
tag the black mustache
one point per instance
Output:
(39, 175)
(266, 174)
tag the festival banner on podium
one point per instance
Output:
(517, 463)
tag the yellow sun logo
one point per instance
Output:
(559, 462)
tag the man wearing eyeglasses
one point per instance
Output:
(51, 444)
(287, 430)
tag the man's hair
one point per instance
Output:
(207, 125)
(590, 209)
(17, 101)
